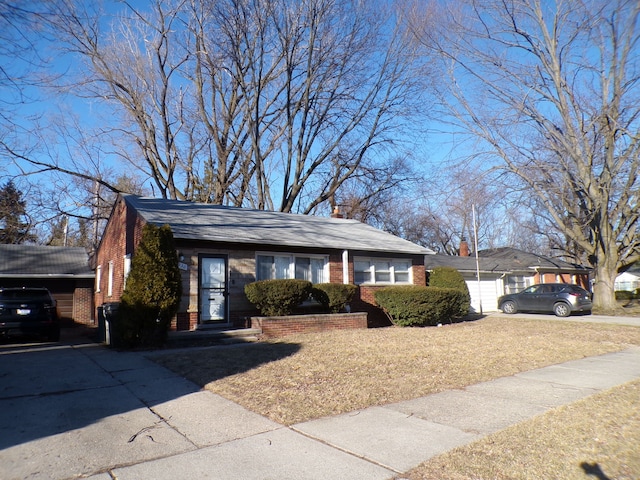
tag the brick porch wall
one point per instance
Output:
(291, 324)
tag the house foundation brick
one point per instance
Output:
(288, 325)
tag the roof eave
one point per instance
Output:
(47, 275)
(261, 245)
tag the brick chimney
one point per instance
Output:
(336, 213)
(464, 248)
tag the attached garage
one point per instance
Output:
(64, 271)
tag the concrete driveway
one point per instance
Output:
(630, 321)
(67, 410)
(79, 409)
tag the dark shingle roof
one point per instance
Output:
(198, 221)
(463, 264)
(504, 260)
(515, 259)
(44, 261)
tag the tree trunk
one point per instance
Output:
(604, 300)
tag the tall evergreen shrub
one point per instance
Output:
(449, 277)
(152, 294)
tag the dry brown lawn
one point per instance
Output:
(595, 438)
(309, 376)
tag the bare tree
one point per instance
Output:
(135, 67)
(551, 90)
(268, 103)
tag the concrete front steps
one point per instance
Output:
(211, 337)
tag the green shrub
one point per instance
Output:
(152, 294)
(333, 296)
(277, 297)
(624, 295)
(449, 277)
(419, 306)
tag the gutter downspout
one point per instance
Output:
(345, 266)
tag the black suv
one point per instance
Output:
(559, 298)
(29, 311)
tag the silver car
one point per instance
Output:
(559, 298)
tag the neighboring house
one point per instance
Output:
(507, 270)
(65, 271)
(629, 280)
(221, 249)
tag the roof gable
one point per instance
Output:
(44, 261)
(217, 223)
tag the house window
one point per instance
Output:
(283, 266)
(382, 270)
(110, 280)
(517, 283)
(98, 277)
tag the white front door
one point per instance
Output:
(213, 290)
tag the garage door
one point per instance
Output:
(486, 291)
(65, 304)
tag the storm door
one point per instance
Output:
(213, 290)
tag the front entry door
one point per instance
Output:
(213, 290)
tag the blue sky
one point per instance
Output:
(44, 105)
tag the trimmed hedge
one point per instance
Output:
(333, 296)
(449, 277)
(277, 297)
(420, 306)
(624, 295)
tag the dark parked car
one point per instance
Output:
(559, 298)
(29, 311)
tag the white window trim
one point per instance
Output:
(126, 268)
(110, 280)
(391, 260)
(98, 278)
(292, 262)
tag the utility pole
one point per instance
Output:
(475, 241)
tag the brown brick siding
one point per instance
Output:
(83, 305)
(122, 234)
(242, 271)
(554, 277)
(335, 268)
(283, 326)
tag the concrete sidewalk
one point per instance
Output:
(85, 410)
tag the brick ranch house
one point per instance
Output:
(221, 249)
(65, 271)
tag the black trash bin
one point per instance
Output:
(101, 325)
(110, 310)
